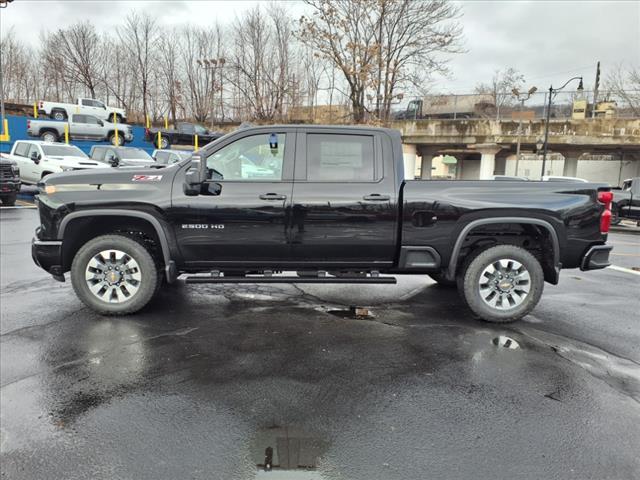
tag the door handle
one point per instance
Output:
(376, 197)
(272, 196)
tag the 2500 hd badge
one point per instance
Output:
(201, 226)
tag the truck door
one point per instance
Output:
(344, 209)
(25, 164)
(34, 164)
(241, 217)
(79, 128)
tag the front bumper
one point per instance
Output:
(47, 254)
(9, 187)
(596, 258)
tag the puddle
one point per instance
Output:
(287, 449)
(506, 342)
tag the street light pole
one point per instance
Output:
(213, 64)
(522, 99)
(553, 91)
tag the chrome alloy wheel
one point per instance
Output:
(504, 284)
(113, 276)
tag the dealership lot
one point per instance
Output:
(206, 379)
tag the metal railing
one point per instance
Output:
(505, 106)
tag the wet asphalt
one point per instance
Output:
(221, 382)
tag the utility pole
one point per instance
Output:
(595, 91)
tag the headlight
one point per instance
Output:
(15, 169)
(67, 169)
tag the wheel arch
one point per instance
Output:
(107, 221)
(551, 274)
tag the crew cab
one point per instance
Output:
(626, 201)
(37, 159)
(80, 127)
(183, 134)
(121, 156)
(335, 207)
(86, 106)
(9, 180)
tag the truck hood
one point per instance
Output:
(75, 162)
(109, 175)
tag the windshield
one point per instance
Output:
(63, 151)
(199, 129)
(135, 153)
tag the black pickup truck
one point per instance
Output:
(183, 134)
(330, 203)
(626, 201)
(9, 181)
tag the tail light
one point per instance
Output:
(28, 124)
(40, 104)
(605, 219)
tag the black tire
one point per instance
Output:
(469, 284)
(9, 200)
(119, 118)
(58, 115)
(112, 139)
(49, 136)
(165, 143)
(441, 281)
(148, 268)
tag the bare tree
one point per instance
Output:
(499, 89)
(625, 84)
(139, 36)
(382, 45)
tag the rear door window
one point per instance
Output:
(98, 154)
(340, 158)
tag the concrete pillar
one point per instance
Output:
(501, 162)
(409, 153)
(427, 153)
(487, 159)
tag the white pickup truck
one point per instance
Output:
(81, 127)
(37, 159)
(86, 106)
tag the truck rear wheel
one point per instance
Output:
(114, 275)
(502, 283)
(164, 143)
(49, 136)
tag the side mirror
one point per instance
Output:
(195, 176)
(35, 156)
(113, 161)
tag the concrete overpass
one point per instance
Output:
(487, 147)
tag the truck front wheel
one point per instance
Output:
(114, 275)
(119, 142)
(502, 283)
(9, 200)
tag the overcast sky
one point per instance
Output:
(548, 41)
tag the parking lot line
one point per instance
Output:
(623, 269)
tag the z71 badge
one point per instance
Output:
(146, 178)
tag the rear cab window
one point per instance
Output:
(340, 158)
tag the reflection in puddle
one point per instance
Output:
(287, 452)
(506, 342)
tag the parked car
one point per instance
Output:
(9, 180)
(37, 159)
(81, 127)
(85, 106)
(121, 156)
(337, 206)
(626, 201)
(169, 157)
(184, 134)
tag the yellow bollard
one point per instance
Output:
(66, 133)
(159, 140)
(115, 124)
(195, 145)
(4, 136)
(166, 123)
(35, 110)
(148, 122)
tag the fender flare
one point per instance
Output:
(453, 261)
(160, 231)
